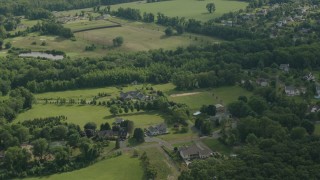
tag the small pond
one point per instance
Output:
(41, 55)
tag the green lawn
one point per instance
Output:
(186, 8)
(317, 129)
(217, 146)
(82, 114)
(160, 162)
(123, 167)
(222, 95)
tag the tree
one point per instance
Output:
(1, 43)
(8, 45)
(59, 132)
(105, 126)
(16, 159)
(168, 31)
(117, 144)
(211, 7)
(118, 41)
(40, 147)
(114, 110)
(138, 135)
(309, 126)
(298, 133)
(90, 125)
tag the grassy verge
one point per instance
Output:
(217, 146)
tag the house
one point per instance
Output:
(220, 108)
(293, 91)
(118, 121)
(262, 82)
(284, 67)
(195, 151)
(157, 130)
(309, 77)
(279, 24)
(314, 108)
(132, 95)
(262, 12)
(112, 135)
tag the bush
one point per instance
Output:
(169, 31)
(118, 41)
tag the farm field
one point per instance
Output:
(82, 114)
(185, 8)
(197, 98)
(137, 36)
(111, 169)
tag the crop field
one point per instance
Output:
(111, 169)
(186, 8)
(80, 115)
(195, 99)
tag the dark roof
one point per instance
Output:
(195, 149)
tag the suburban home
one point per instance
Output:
(157, 130)
(112, 135)
(220, 108)
(262, 82)
(195, 151)
(118, 121)
(132, 95)
(262, 12)
(284, 67)
(314, 108)
(309, 77)
(293, 91)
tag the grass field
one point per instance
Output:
(82, 114)
(222, 95)
(186, 8)
(317, 129)
(159, 161)
(84, 24)
(217, 146)
(110, 169)
(137, 37)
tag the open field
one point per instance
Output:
(137, 36)
(222, 95)
(111, 169)
(186, 8)
(215, 145)
(82, 114)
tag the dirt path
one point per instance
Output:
(184, 94)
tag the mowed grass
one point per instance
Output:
(186, 8)
(82, 114)
(217, 146)
(122, 167)
(221, 95)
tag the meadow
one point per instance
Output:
(111, 169)
(80, 115)
(186, 8)
(137, 36)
